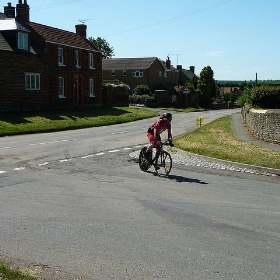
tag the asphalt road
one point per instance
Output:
(80, 208)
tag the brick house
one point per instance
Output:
(44, 67)
(149, 71)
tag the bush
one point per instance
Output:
(146, 100)
(265, 96)
(142, 90)
(242, 100)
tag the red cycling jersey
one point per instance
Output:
(160, 125)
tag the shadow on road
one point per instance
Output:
(181, 179)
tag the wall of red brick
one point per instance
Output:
(13, 95)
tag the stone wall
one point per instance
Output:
(263, 124)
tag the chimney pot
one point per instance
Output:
(22, 11)
(9, 10)
(168, 63)
(81, 29)
(192, 68)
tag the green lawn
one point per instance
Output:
(217, 140)
(56, 120)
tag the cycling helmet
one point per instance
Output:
(167, 116)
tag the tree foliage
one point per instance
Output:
(103, 46)
(206, 85)
(142, 90)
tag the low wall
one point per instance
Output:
(263, 124)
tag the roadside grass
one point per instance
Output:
(58, 120)
(6, 273)
(217, 140)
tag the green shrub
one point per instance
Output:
(265, 96)
(146, 100)
(242, 100)
(142, 90)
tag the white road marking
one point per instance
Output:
(2, 172)
(19, 168)
(45, 163)
(127, 148)
(88, 156)
(113, 151)
(100, 154)
(64, 160)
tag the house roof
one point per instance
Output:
(60, 36)
(7, 24)
(188, 73)
(2, 16)
(128, 63)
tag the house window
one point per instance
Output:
(165, 74)
(137, 73)
(77, 59)
(91, 64)
(124, 72)
(61, 89)
(91, 88)
(60, 56)
(159, 73)
(32, 81)
(113, 72)
(23, 41)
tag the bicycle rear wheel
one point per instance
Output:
(143, 161)
(164, 164)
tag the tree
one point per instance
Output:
(103, 46)
(206, 85)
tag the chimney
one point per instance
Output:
(22, 11)
(81, 29)
(192, 68)
(168, 63)
(9, 11)
(179, 67)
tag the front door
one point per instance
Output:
(77, 90)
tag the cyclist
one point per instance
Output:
(154, 131)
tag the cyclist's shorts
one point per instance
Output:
(151, 137)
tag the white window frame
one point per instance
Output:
(91, 88)
(60, 53)
(77, 54)
(61, 87)
(136, 73)
(23, 41)
(124, 72)
(159, 73)
(32, 81)
(91, 61)
(113, 72)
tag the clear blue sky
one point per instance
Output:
(237, 38)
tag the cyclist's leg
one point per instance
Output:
(164, 164)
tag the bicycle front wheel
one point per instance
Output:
(143, 161)
(164, 164)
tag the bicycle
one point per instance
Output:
(161, 160)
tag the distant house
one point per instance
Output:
(44, 67)
(229, 90)
(149, 71)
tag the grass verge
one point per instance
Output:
(6, 273)
(217, 140)
(57, 120)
